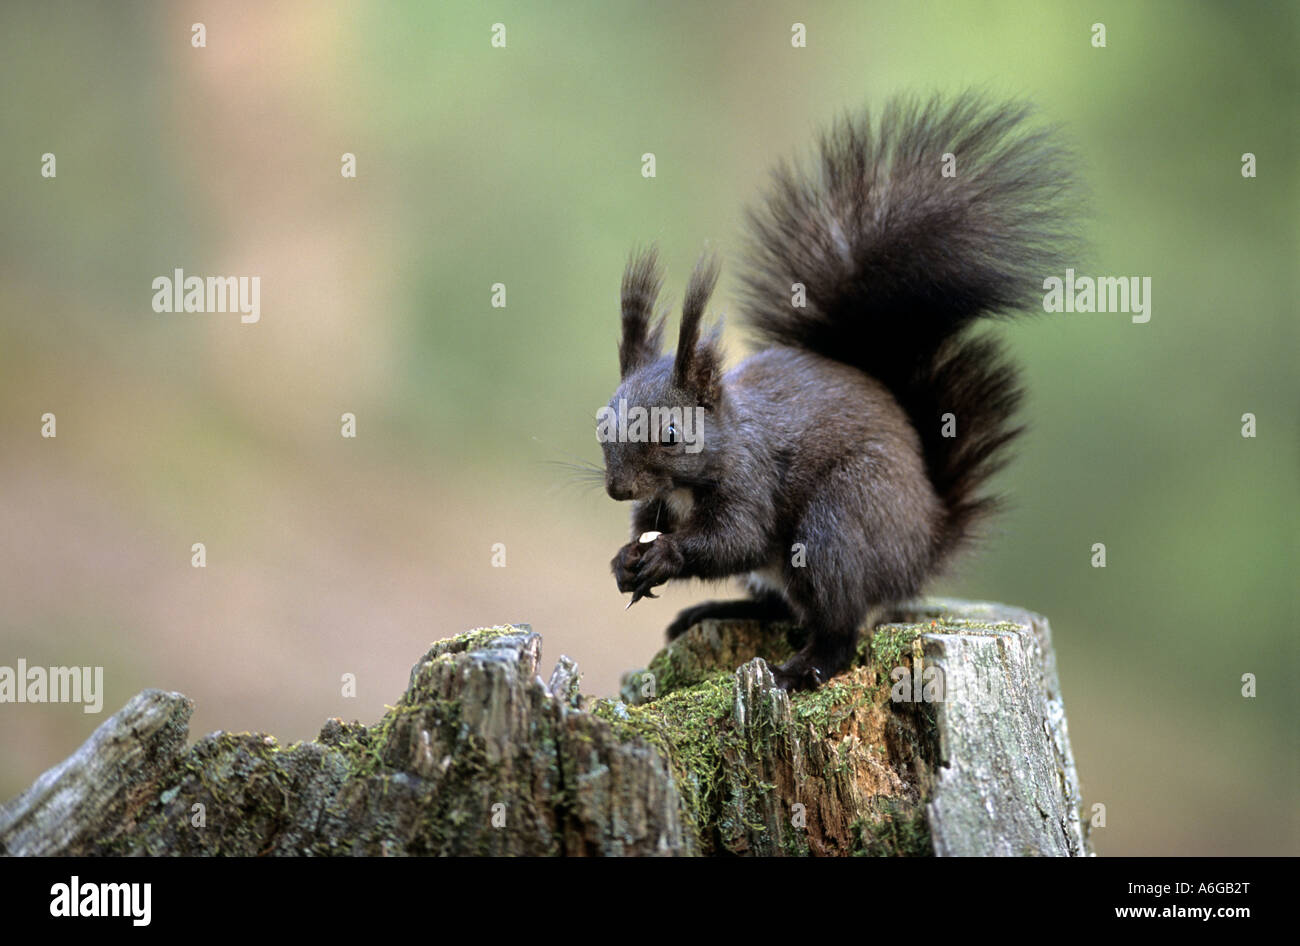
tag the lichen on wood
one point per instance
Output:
(703, 754)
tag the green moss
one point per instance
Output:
(890, 643)
(692, 728)
(827, 707)
(677, 667)
(900, 830)
(478, 639)
(700, 653)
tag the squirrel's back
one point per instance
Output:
(902, 233)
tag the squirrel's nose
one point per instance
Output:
(617, 491)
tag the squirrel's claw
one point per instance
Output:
(638, 595)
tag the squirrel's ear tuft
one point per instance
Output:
(641, 340)
(697, 364)
(704, 376)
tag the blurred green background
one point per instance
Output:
(522, 166)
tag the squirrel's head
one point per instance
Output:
(655, 432)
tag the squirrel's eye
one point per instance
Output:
(670, 435)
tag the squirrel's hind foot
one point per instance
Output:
(814, 665)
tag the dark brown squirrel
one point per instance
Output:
(843, 463)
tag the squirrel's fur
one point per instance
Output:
(820, 467)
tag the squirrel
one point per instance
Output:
(842, 464)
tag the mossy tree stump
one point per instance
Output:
(702, 755)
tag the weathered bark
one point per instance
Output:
(702, 755)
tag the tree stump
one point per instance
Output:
(947, 736)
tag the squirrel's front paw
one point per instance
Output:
(624, 565)
(640, 566)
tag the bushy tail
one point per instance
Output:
(897, 260)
